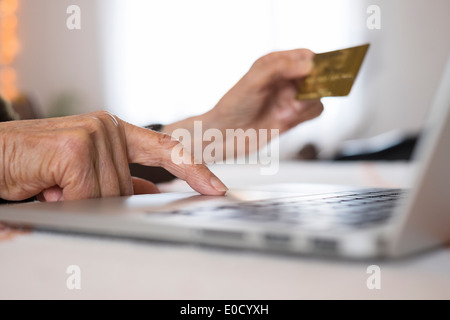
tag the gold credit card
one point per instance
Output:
(333, 73)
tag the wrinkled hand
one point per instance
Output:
(87, 156)
(265, 98)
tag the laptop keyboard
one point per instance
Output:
(348, 209)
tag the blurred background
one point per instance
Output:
(159, 61)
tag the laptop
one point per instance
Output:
(347, 222)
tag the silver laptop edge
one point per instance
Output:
(424, 220)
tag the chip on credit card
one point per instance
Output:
(333, 73)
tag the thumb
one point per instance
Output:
(142, 186)
(51, 194)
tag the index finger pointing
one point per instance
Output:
(152, 148)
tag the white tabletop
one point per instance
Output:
(34, 264)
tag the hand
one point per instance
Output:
(265, 98)
(87, 156)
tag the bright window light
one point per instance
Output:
(166, 60)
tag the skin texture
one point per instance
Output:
(87, 156)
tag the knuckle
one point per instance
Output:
(101, 114)
(167, 141)
(167, 144)
(306, 53)
(107, 117)
(106, 124)
(197, 169)
(280, 59)
(275, 63)
(281, 64)
(268, 59)
(94, 123)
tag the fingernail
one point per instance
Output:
(218, 185)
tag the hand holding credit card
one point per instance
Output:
(333, 74)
